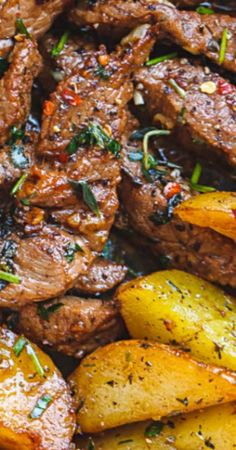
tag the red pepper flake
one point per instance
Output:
(71, 97)
(171, 189)
(63, 157)
(234, 213)
(48, 108)
(224, 87)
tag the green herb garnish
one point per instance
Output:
(19, 184)
(71, 250)
(205, 10)
(154, 429)
(21, 28)
(177, 88)
(126, 441)
(19, 345)
(45, 313)
(32, 354)
(223, 45)
(160, 59)
(197, 171)
(146, 156)
(41, 406)
(9, 277)
(102, 73)
(87, 194)
(72, 147)
(91, 445)
(57, 49)
(15, 135)
(93, 134)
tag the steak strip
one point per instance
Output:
(196, 104)
(149, 206)
(198, 34)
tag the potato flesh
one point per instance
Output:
(216, 210)
(215, 425)
(175, 307)
(21, 387)
(129, 381)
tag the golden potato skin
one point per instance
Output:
(172, 306)
(130, 381)
(21, 387)
(194, 431)
(215, 210)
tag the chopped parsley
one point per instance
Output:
(71, 250)
(57, 49)
(126, 441)
(160, 59)
(16, 134)
(223, 45)
(41, 406)
(44, 312)
(21, 28)
(154, 429)
(72, 147)
(87, 194)
(93, 134)
(205, 10)
(102, 73)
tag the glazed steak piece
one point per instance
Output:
(41, 262)
(94, 105)
(72, 325)
(149, 198)
(72, 57)
(75, 189)
(198, 34)
(102, 276)
(16, 85)
(36, 15)
(195, 103)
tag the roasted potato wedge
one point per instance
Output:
(35, 404)
(213, 428)
(129, 381)
(174, 307)
(216, 210)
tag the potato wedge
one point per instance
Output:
(216, 210)
(213, 427)
(35, 404)
(129, 381)
(174, 307)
